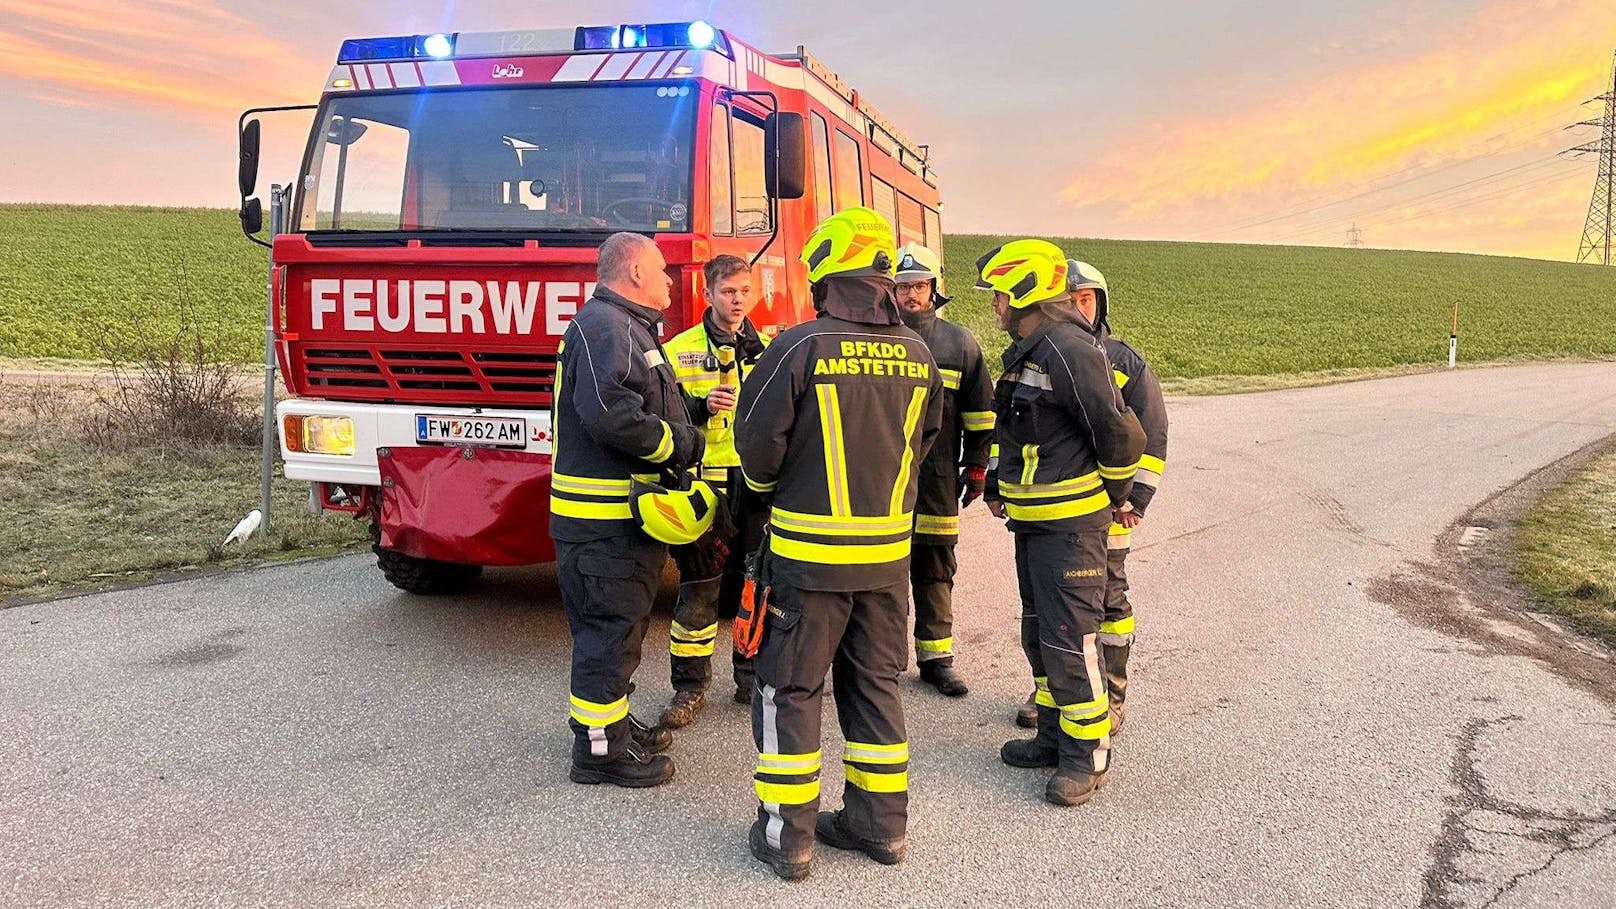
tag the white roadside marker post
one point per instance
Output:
(1453, 340)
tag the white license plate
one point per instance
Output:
(505, 432)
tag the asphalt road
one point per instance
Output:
(304, 735)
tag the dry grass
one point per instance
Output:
(1565, 548)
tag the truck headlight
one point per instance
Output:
(317, 434)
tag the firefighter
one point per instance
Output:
(833, 425)
(711, 360)
(618, 420)
(1068, 450)
(956, 470)
(1141, 391)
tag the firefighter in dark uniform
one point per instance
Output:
(711, 359)
(618, 416)
(834, 424)
(1141, 391)
(1068, 450)
(956, 470)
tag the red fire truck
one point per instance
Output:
(444, 225)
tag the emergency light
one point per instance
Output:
(696, 34)
(402, 47)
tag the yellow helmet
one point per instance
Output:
(1027, 271)
(852, 242)
(917, 263)
(675, 516)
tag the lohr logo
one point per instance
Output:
(508, 71)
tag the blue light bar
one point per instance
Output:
(696, 35)
(401, 47)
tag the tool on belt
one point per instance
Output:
(747, 629)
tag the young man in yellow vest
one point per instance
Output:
(711, 359)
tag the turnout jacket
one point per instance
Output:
(834, 423)
(1068, 445)
(617, 414)
(694, 354)
(1141, 391)
(967, 427)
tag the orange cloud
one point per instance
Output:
(1516, 64)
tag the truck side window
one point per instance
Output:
(824, 203)
(720, 199)
(849, 172)
(751, 189)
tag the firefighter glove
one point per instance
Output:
(973, 480)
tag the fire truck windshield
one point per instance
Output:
(581, 158)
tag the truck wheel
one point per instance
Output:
(426, 577)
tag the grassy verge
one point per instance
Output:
(1565, 548)
(76, 518)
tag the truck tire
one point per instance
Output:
(425, 577)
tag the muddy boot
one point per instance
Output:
(940, 674)
(1119, 712)
(634, 769)
(787, 869)
(651, 739)
(681, 712)
(1027, 714)
(1070, 787)
(828, 829)
(1043, 750)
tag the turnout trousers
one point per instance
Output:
(1063, 584)
(1116, 631)
(931, 577)
(703, 601)
(861, 638)
(607, 588)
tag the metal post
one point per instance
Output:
(266, 460)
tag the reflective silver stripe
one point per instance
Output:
(1035, 380)
(1097, 689)
(654, 358)
(597, 741)
(1147, 477)
(771, 744)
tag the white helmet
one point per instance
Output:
(917, 263)
(1080, 275)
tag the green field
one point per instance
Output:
(1195, 310)
(1565, 548)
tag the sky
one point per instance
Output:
(1429, 125)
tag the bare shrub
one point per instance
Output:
(170, 384)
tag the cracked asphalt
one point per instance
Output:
(1304, 731)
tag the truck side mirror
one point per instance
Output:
(785, 155)
(247, 174)
(252, 217)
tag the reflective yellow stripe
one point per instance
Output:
(951, 377)
(830, 428)
(977, 420)
(1084, 483)
(714, 474)
(941, 645)
(993, 451)
(786, 793)
(1059, 510)
(878, 782)
(1073, 717)
(1151, 462)
(832, 525)
(680, 633)
(1118, 537)
(868, 753)
(1043, 698)
(1119, 473)
(755, 486)
(940, 524)
(1029, 464)
(840, 553)
(1120, 626)
(590, 713)
(911, 419)
(590, 511)
(788, 764)
(1122, 377)
(695, 376)
(588, 486)
(677, 649)
(664, 448)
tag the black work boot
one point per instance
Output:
(940, 674)
(787, 869)
(1027, 713)
(634, 768)
(745, 683)
(1043, 750)
(1070, 787)
(828, 829)
(681, 712)
(651, 739)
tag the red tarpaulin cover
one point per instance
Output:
(479, 506)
